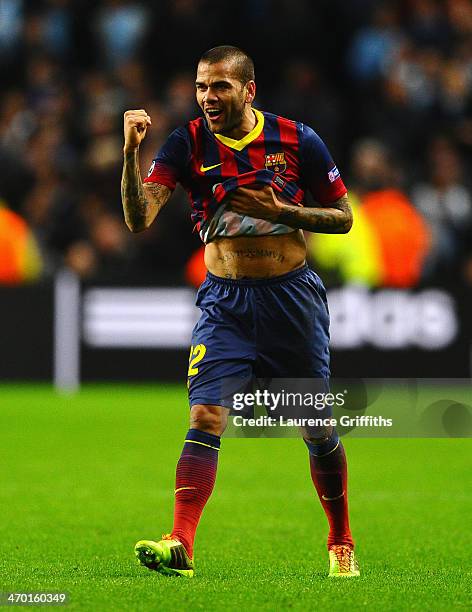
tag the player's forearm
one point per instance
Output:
(336, 219)
(133, 196)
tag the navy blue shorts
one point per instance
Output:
(266, 328)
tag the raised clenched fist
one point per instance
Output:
(136, 123)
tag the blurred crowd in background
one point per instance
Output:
(387, 85)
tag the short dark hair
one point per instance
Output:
(243, 64)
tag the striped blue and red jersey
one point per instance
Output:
(285, 154)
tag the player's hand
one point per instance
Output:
(136, 123)
(261, 203)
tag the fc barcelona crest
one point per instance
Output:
(276, 162)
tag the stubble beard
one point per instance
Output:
(235, 118)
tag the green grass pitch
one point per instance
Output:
(82, 478)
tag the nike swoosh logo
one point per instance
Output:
(183, 489)
(203, 169)
(332, 498)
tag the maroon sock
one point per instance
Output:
(195, 478)
(329, 475)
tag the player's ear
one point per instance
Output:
(250, 91)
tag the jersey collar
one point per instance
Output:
(243, 142)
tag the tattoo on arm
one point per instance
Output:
(335, 219)
(141, 203)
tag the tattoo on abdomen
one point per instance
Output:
(251, 254)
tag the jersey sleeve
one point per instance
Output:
(170, 163)
(318, 169)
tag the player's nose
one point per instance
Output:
(209, 96)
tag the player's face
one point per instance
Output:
(221, 96)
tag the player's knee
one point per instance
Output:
(211, 419)
(319, 435)
(322, 442)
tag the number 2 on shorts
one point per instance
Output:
(197, 353)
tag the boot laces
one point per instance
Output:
(343, 555)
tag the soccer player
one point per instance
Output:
(264, 312)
